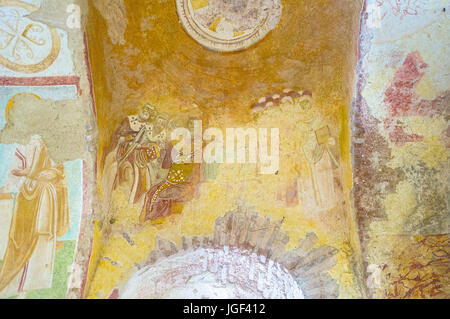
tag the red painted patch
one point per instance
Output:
(42, 81)
(400, 95)
(397, 135)
(402, 101)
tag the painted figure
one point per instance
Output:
(135, 149)
(177, 188)
(316, 161)
(41, 215)
(317, 182)
(140, 161)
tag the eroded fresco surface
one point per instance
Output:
(93, 205)
(43, 174)
(401, 149)
(154, 210)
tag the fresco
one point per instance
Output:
(228, 26)
(30, 48)
(401, 153)
(38, 250)
(148, 199)
(182, 149)
(42, 196)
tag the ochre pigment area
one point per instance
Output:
(203, 149)
(160, 64)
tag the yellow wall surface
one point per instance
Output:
(313, 48)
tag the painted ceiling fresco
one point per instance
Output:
(262, 149)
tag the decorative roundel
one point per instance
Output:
(26, 46)
(228, 25)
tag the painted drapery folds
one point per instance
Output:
(41, 215)
(224, 149)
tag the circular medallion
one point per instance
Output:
(25, 46)
(228, 25)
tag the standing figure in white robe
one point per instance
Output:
(317, 184)
(41, 215)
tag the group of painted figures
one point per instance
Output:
(139, 162)
(316, 163)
